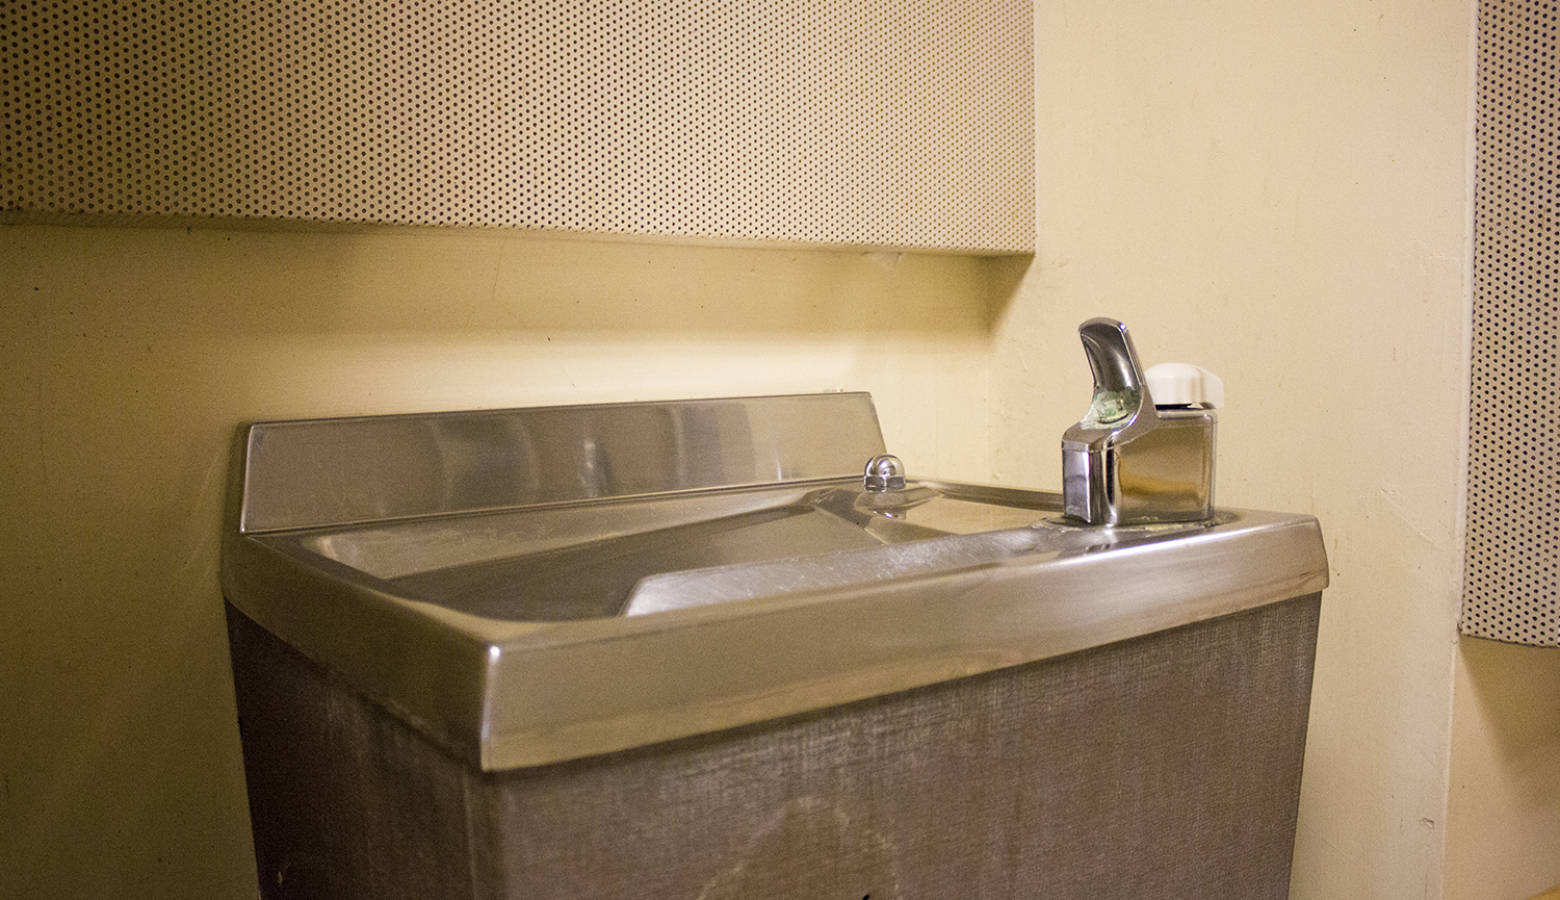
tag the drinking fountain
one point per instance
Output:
(732, 648)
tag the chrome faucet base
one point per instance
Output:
(1128, 462)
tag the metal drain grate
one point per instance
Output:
(1510, 584)
(846, 121)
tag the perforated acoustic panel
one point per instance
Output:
(1510, 587)
(843, 122)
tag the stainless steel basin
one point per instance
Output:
(621, 558)
(530, 586)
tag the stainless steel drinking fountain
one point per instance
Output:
(729, 648)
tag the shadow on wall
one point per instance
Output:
(280, 279)
(1505, 771)
(1517, 688)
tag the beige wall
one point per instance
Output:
(1278, 192)
(131, 355)
(1503, 838)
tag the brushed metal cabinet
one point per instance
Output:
(1167, 765)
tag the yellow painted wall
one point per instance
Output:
(1278, 192)
(1503, 839)
(131, 356)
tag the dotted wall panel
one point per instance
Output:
(839, 122)
(1511, 590)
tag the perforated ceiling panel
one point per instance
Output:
(849, 121)
(1510, 587)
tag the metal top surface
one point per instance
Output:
(661, 570)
